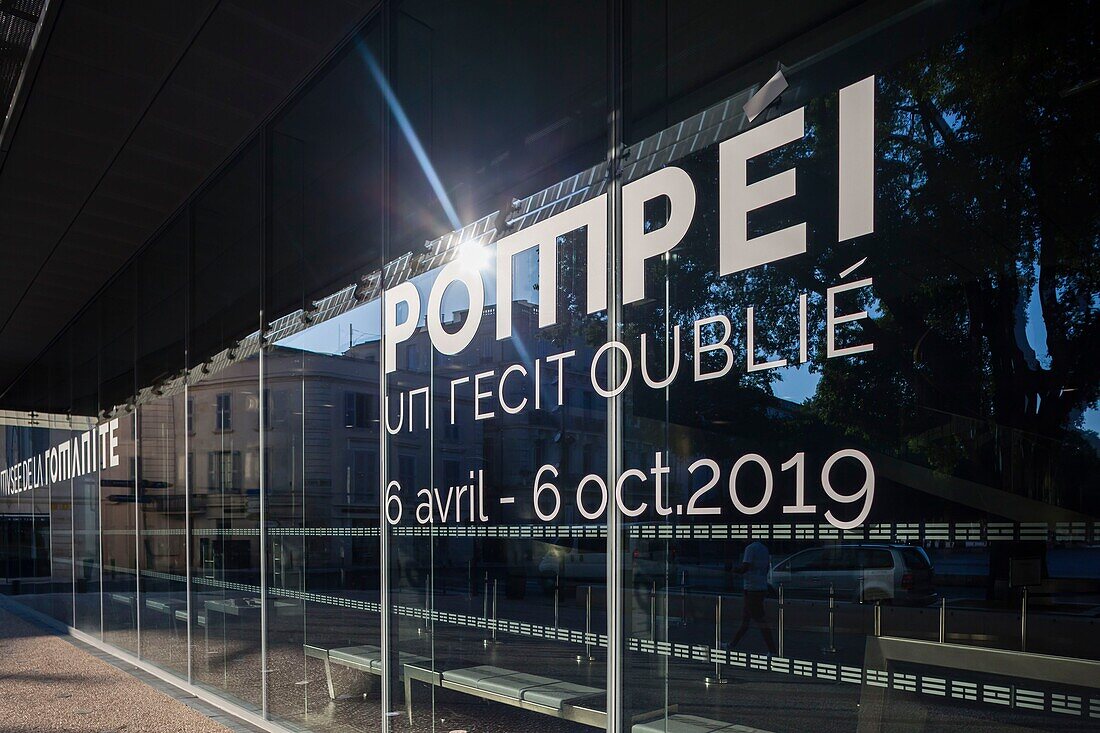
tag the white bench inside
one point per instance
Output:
(363, 658)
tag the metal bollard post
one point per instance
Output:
(943, 620)
(717, 678)
(878, 618)
(831, 648)
(781, 615)
(587, 656)
(1023, 622)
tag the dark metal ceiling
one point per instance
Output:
(126, 108)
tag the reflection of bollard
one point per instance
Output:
(1023, 622)
(717, 678)
(831, 648)
(427, 605)
(490, 622)
(492, 640)
(683, 599)
(781, 614)
(943, 620)
(485, 600)
(496, 623)
(587, 656)
(653, 611)
(557, 593)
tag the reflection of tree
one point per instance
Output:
(987, 149)
(986, 195)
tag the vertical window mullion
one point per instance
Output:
(615, 625)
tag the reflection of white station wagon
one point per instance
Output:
(572, 561)
(896, 573)
(583, 561)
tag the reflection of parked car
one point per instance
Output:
(897, 573)
(573, 561)
(583, 561)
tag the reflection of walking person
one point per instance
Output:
(754, 566)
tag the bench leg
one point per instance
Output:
(409, 698)
(347, 682)
(328, 680)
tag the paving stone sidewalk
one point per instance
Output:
(50, 682)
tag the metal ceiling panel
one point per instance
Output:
(133, 106)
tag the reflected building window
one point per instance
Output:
(275, 409)
(363, 476)
(360, 410)
(452, 432)
(225, 470)
(406, 470)
(223, 414)
(451, 473)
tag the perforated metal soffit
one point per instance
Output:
(18, 19)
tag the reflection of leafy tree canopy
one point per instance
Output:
(986, 192)
(987, 161)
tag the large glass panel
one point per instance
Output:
(478, 124)
(24, 510)
(161, 465)
(857, 455)
(33, 536)
(485, 593)
(118, 461)
(680, 59)
(222, 419)
(880, 481)
(320, 380)
(58, 370)
(86, 510)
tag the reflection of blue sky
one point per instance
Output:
(363, 324)
(1035, 330)
(1035, 333)
(337, 335)
(797, 383)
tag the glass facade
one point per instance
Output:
(638, 366)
